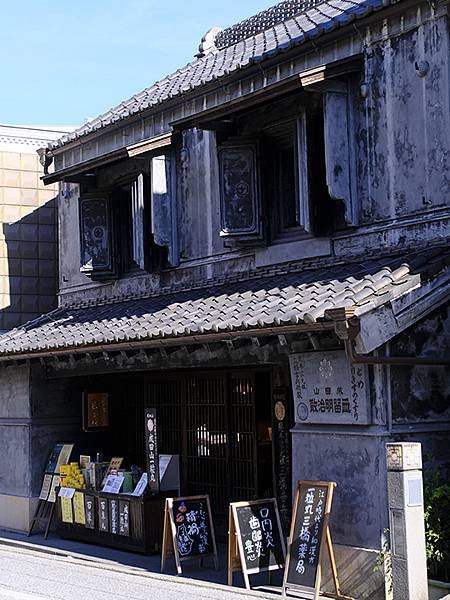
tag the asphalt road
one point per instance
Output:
(29, 575)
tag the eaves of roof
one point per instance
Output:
(275, 304)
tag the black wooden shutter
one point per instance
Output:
(338, 151)
(240, 205)
(163, 206)
(137, 220)
(96, 235)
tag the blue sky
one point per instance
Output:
(64, 62)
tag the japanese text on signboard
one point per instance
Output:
(151, 441)
(327, 389)
(193, 531)
(307, 536)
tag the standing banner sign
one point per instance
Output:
(255, 542)
(151, 450)
(188, 530)
(309, 535)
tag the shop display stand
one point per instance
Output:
(44, 512)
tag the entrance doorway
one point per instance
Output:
(220, 425)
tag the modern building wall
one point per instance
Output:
(28, 285)
(28, 217)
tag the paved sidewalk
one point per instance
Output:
(130, 564)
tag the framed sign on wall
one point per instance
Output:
(95, 411)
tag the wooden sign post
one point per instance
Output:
(188, 531)
(255, 539)
(151, 450)
(60, 455)
(309, 536)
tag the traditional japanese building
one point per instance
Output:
(257, 246)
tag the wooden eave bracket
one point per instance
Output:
(346, 324)
(326, 77)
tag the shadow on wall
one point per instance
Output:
(29, 271)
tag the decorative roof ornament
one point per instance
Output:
(208, 42)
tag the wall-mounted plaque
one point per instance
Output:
(95, 411)
(328, 389)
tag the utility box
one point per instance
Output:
(406, 521)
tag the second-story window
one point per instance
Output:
(128, 223)
(284, 171)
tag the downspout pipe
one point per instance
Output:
(347, 327)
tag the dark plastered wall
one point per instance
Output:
(357, 464)
(422, 394)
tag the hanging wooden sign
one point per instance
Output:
(188, 530)
(255, 542)
(309, 536)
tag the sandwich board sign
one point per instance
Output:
(188, 530)
(310, 539)
(255, 542)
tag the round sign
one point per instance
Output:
(280, 410)
(302, 411)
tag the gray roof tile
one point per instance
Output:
(293, 297)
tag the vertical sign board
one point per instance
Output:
(103, 515)
(89, 511)
(308, 537)
(256, 541)
(114, 516)
(188, 530)
(124, 517)
(151, 450)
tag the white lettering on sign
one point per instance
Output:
(328, 389)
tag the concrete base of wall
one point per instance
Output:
(16, 512)
(356, 573)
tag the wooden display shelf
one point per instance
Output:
(146, 518)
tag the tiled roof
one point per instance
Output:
(293, 298)
(263, 20)
(264, 40)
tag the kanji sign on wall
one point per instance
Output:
(328, 389)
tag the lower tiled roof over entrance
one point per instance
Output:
(252, 304)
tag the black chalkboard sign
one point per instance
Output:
(114, 516)
(103, 514)
(255, 531)
(124, 517)
(151, 450)
(308, 537)
(188, 529)
(89, 509)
